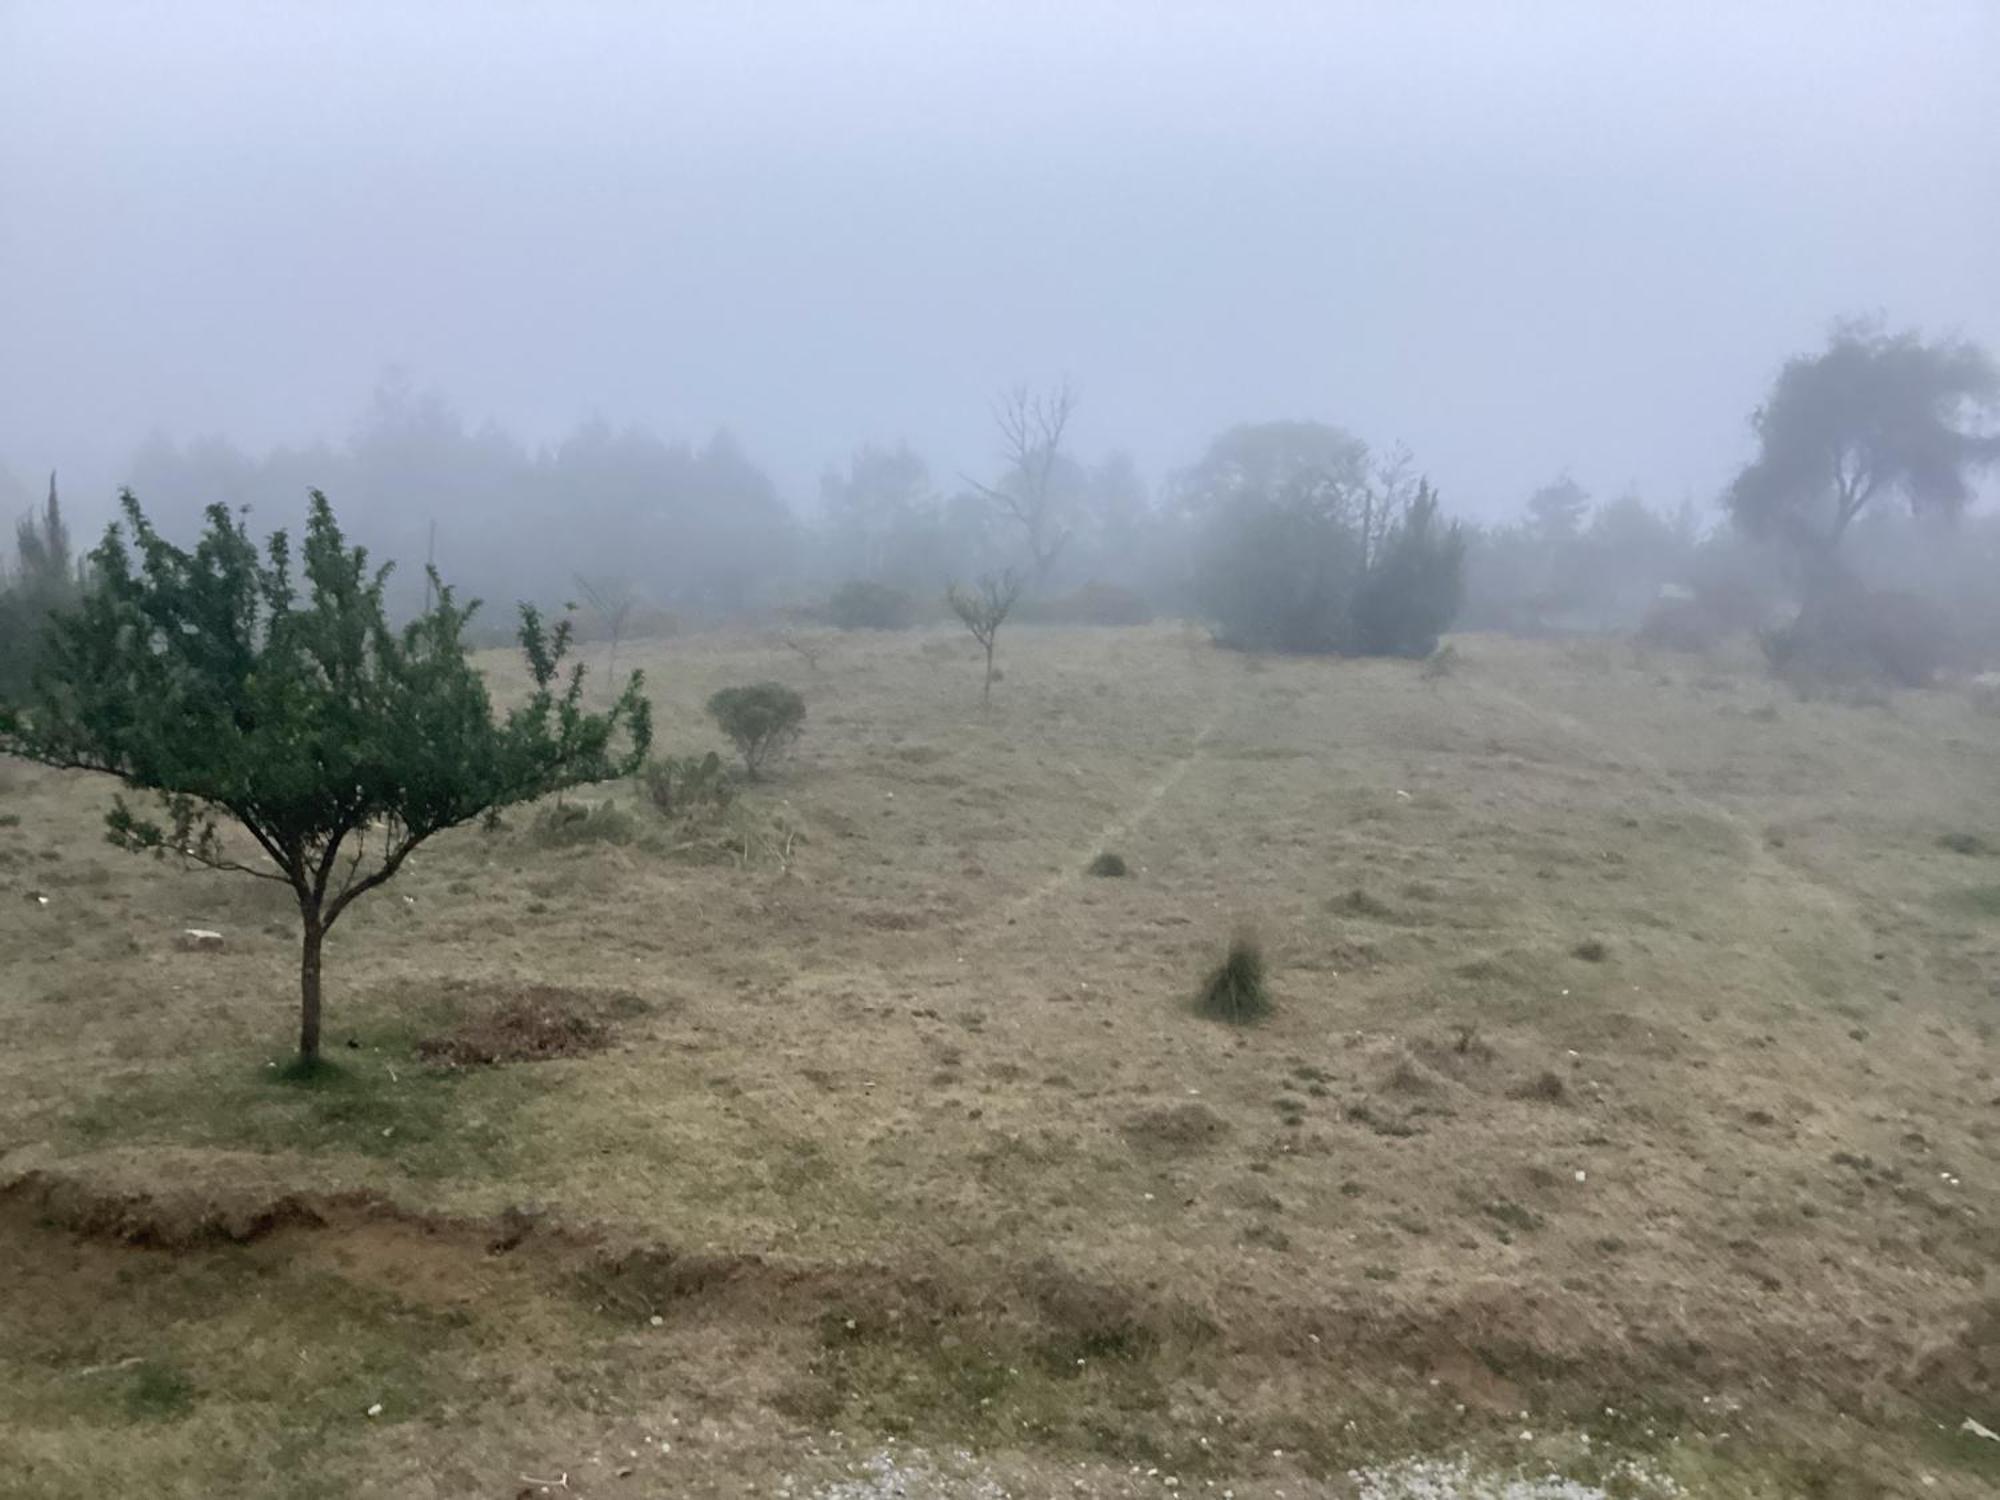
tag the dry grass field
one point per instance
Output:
(1629, 1110)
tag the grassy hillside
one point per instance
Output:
(1627, 1109)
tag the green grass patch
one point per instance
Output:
(374, 1099)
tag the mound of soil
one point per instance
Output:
(537, 1024)
(1173, 1129)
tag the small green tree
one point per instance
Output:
(339, 743)
(984, 609)
(762, 720)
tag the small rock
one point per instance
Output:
(200, 940)
(375, 1410)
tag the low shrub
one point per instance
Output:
(1109, 865)
(862, 605)
(681, 786)
(1235, 991)
(762, 719)
(566, 824)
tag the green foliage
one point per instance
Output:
(1872, 417)
(1324, 567)
(42, 581)
(213, 681)
(1235, 991)
(1411, 586)
(681, 786)
(1109, 865)
(861, 605)
(762, 719)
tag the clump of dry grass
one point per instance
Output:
(1235, 992)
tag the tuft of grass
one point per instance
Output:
(1235, 992)
(1361, 903)
(1964, 843)
(1109, 865)
(1591, 951)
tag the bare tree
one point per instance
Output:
(613, 600)
(1032, 424)
(809, 647)
(984, 608)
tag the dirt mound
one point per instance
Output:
(47, 1201)
(533, 1024)
(1175, 1129)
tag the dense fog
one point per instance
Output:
(711, 311)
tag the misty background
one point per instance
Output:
(698, 295)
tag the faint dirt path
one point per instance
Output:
(1111, 834)
(1765, 876)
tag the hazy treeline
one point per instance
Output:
(682, 532)
(698, 529)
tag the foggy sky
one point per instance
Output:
(1517, 237)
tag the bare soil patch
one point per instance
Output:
(525, 1023)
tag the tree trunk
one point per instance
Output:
(315, 936)
(986, 690)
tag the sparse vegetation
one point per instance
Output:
(687, 786)
(763, 721)
(1235, 990)
(1108, 864)
(563, 825)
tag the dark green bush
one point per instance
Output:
(42, 581)
(1109, 865)
(1410, 592)
(1295, 577)
(862, 605)
(1235, 991)
(762, 720)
